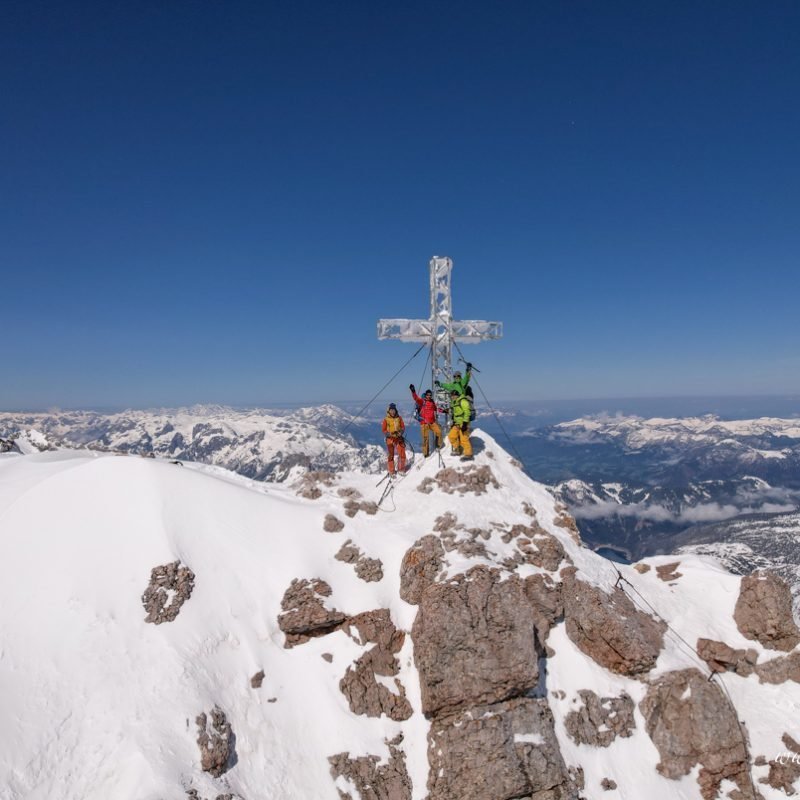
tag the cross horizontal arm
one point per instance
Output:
(408, 330)
(472, 331)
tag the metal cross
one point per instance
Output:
(441, 330)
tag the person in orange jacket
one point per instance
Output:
(394, 430)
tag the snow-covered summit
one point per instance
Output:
(458, 642)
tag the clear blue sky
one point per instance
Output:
(215, 201)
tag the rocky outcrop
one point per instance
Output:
(365, 694)
(216, 742)
(257, 680)
(547, 605)
(600, 720)
(372, 779)
(474, 479)
(691, 722)
(669, 572)
(308, 485)
(421, 564)
(502, 751)
(352, 507)
(474, 641)
(332, 524)
(304, 613)
(170, 587)
(609, 628)
(722, 658)
(784, 771)
(538, 547)
(764, 611)
(780, 670)
(368, 569)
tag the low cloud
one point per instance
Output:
(769, 500)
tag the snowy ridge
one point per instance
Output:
(257, 443)
(84, 530)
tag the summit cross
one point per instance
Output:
(441, 330)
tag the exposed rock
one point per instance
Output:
(547, 606)
(600, 720)
(609, 628)
(472, 479)
(308, 486)
(332, 524)
(352, 507)
(365, 694)
(721, 658)
(371, 779)
(421, 564)
(349, 491)
(764, 611)
(257, 679)
(784, 771)
(780, 670)
(445, 522)
(538, 547)
(607, 785)
(641, 568)
(216, 743)
(368, 569)
(566, 521)
(305, 615)
(170, 587)
(508, 750)
(474, 641)
(328, 657)
(691, 722)
(669, 572)
(193, 794)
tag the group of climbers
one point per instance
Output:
(460, 411)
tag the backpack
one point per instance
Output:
(471, 400)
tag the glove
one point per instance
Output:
(436, 383)
(464, 426)
(469, 366)
(412, 387)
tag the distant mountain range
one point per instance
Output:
(257, 443)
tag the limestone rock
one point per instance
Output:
(784, 771)
(216, 743)
(474, 641)
(720, 657)
(780, 670)
(691, 722)
(421, 564)
(474, 479)
(607, 785)
(600, 720)
(365, 694)
(764, 611)
(304, 614)
(371, 779)
(257, 680)
(538, 547)
(669, 572)
(332, 524)
(170, 587)
(368, 569)
(498, 752)
(547, 605)
(352, 507)
(641, 568)
(609, 628)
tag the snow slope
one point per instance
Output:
(98, 705)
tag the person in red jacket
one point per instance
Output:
(428, 419)
(394, 430)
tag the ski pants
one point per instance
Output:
(396, 444)
(429, 428)
(460, 438)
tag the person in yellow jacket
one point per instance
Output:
(394, 429)
(459, 433)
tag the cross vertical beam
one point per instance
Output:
(440, 330)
